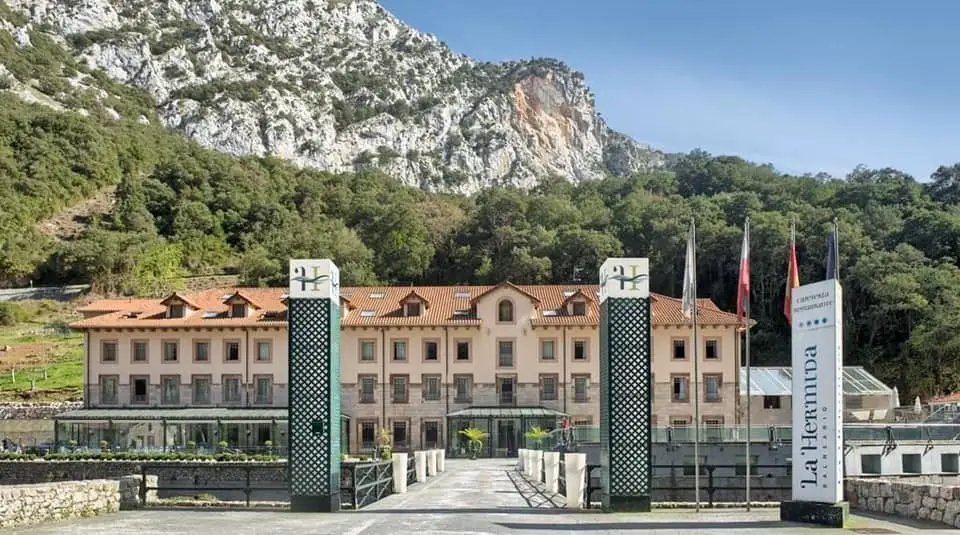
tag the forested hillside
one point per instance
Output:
(185, 209)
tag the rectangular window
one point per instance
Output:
(712, 349)
(176, 311)
(401, 391)
(400, 434)
(579, 350)
(108, 389)
(431, 350)
(579, 308)
(463, 350)
(741, 466)
(681, 388)
(679, 349)
(431, 434)
(548, 387)
(170, 389)
(505, 353)
(870, 463)
(581, 386)
(911, 463)
(201, 389)
(713, 428)
(108, 351)
(368, 388)
(171, 351)
(507, 390)
(771, 402)
(368, 350)
(264, 350)
(231, 388)
(949, 463)
(201, 351)
(548, 349)
(138, 351)
(711, 387)
(399, 350)
(139, 390)
(464, 388)
(431, 387)
(368, 434)
(413, 309)
(264, 388)
(231, 351)
(238, 310)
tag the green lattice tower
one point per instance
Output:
(625, 399)
(314, 398)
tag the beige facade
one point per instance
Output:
(408, 357)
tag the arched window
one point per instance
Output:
(505, 311)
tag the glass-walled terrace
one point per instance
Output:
(172, 430)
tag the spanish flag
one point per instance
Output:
(793, 274)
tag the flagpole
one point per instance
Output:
(836, 249)
(696, 371)
(746, 345)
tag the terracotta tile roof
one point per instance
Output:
(525, 290)
(380, 306)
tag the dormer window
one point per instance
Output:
(175, 311)
(413, 308)
(238, 310)
(579, 308)
(505, 311)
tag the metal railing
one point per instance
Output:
(411, 469)
(713, 478)
(245, 486)
(711, 434)
(365, 483)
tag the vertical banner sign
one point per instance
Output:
(817, 349)
(313, 326)
(625, 389)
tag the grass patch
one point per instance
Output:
(42, 360)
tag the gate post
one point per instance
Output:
(625, 389)
(399, 473)
(313, 330)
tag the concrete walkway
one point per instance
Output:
(471, 498)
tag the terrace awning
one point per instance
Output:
(506, 412)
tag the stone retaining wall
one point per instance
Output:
(907, 498)
(220, 479)
(36, 411)
(23, 505)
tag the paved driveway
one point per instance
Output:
(471, 497)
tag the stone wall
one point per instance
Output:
(926, 498)
(23, 505)
(36, 411)
(224, 480)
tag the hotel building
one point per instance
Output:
(422, 362)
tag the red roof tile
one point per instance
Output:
(380, 306)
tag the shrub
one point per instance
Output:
(11, 314)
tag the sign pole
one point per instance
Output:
(817, 349)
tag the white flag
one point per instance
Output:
(689, 272)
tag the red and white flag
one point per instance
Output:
(793, 275)
(743, 286)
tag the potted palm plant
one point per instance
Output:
(537, 434)
(474, 440)
(384, 442)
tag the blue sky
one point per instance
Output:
(807, 86)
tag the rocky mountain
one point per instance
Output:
(341, 85)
